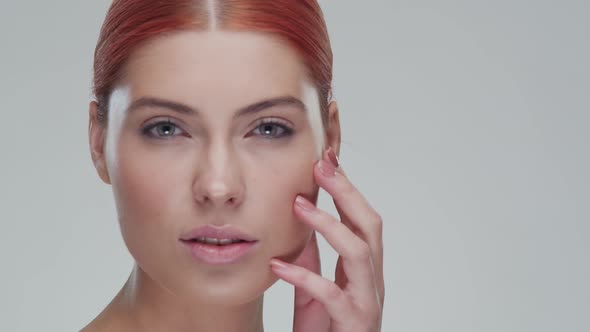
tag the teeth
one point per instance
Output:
(225, 241)
(211, 241)
(219, 242)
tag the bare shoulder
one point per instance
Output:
(91, 328)
(108, 320)
(113, 318)
(99, 325)
(104, 325)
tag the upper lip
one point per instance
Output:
(216, 232)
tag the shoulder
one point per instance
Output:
(108, 322)
(97, 326)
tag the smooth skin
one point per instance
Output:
(354, 301)
(220, 167)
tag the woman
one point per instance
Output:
(214, 124)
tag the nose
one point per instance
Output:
(218, 182)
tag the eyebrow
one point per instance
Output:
(144, 102)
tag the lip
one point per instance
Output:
(225, 232)
(216, 254)
(219, 255)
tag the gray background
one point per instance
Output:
(465, 123)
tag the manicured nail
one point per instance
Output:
(278, 265)
(304, 204)
(327, 168)
(333, 157)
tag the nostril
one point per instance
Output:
(206, 199)
(218, 196)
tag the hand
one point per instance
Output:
(354, 301)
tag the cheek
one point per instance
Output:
(277, 188)
(140, 185)
(148, 194)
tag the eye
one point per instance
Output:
(272, 129)
(162, 130)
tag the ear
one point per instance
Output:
(333, 128)
(96, 137)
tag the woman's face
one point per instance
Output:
(173, 169)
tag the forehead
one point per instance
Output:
(215, 69)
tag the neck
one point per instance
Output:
(149, 307)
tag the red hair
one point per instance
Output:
(129, 23)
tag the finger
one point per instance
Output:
(354, 251)
(310, 256)
(351, 204)
(326, 292)
(310, 260)
(376, 246)
(353, 208)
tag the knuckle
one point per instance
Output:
(371, 317)
(333, 293)
(378, 224)
(331, 223)
(367, 322)
(347, 188)
(304, 276)
(363, 252)
(367, 317)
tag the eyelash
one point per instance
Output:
(278, 123)
(147, 130)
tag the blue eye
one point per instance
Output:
(271, 129)
(163, 130)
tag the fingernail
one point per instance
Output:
(278, 265)
(327, 168)
(333, 157)
(304, 204)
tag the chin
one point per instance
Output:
(230, 289)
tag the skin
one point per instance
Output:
(218, 167)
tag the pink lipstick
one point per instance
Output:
(218, 245)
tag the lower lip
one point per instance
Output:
(214, 254)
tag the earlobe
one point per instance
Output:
(333, 130)
(96, 138)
